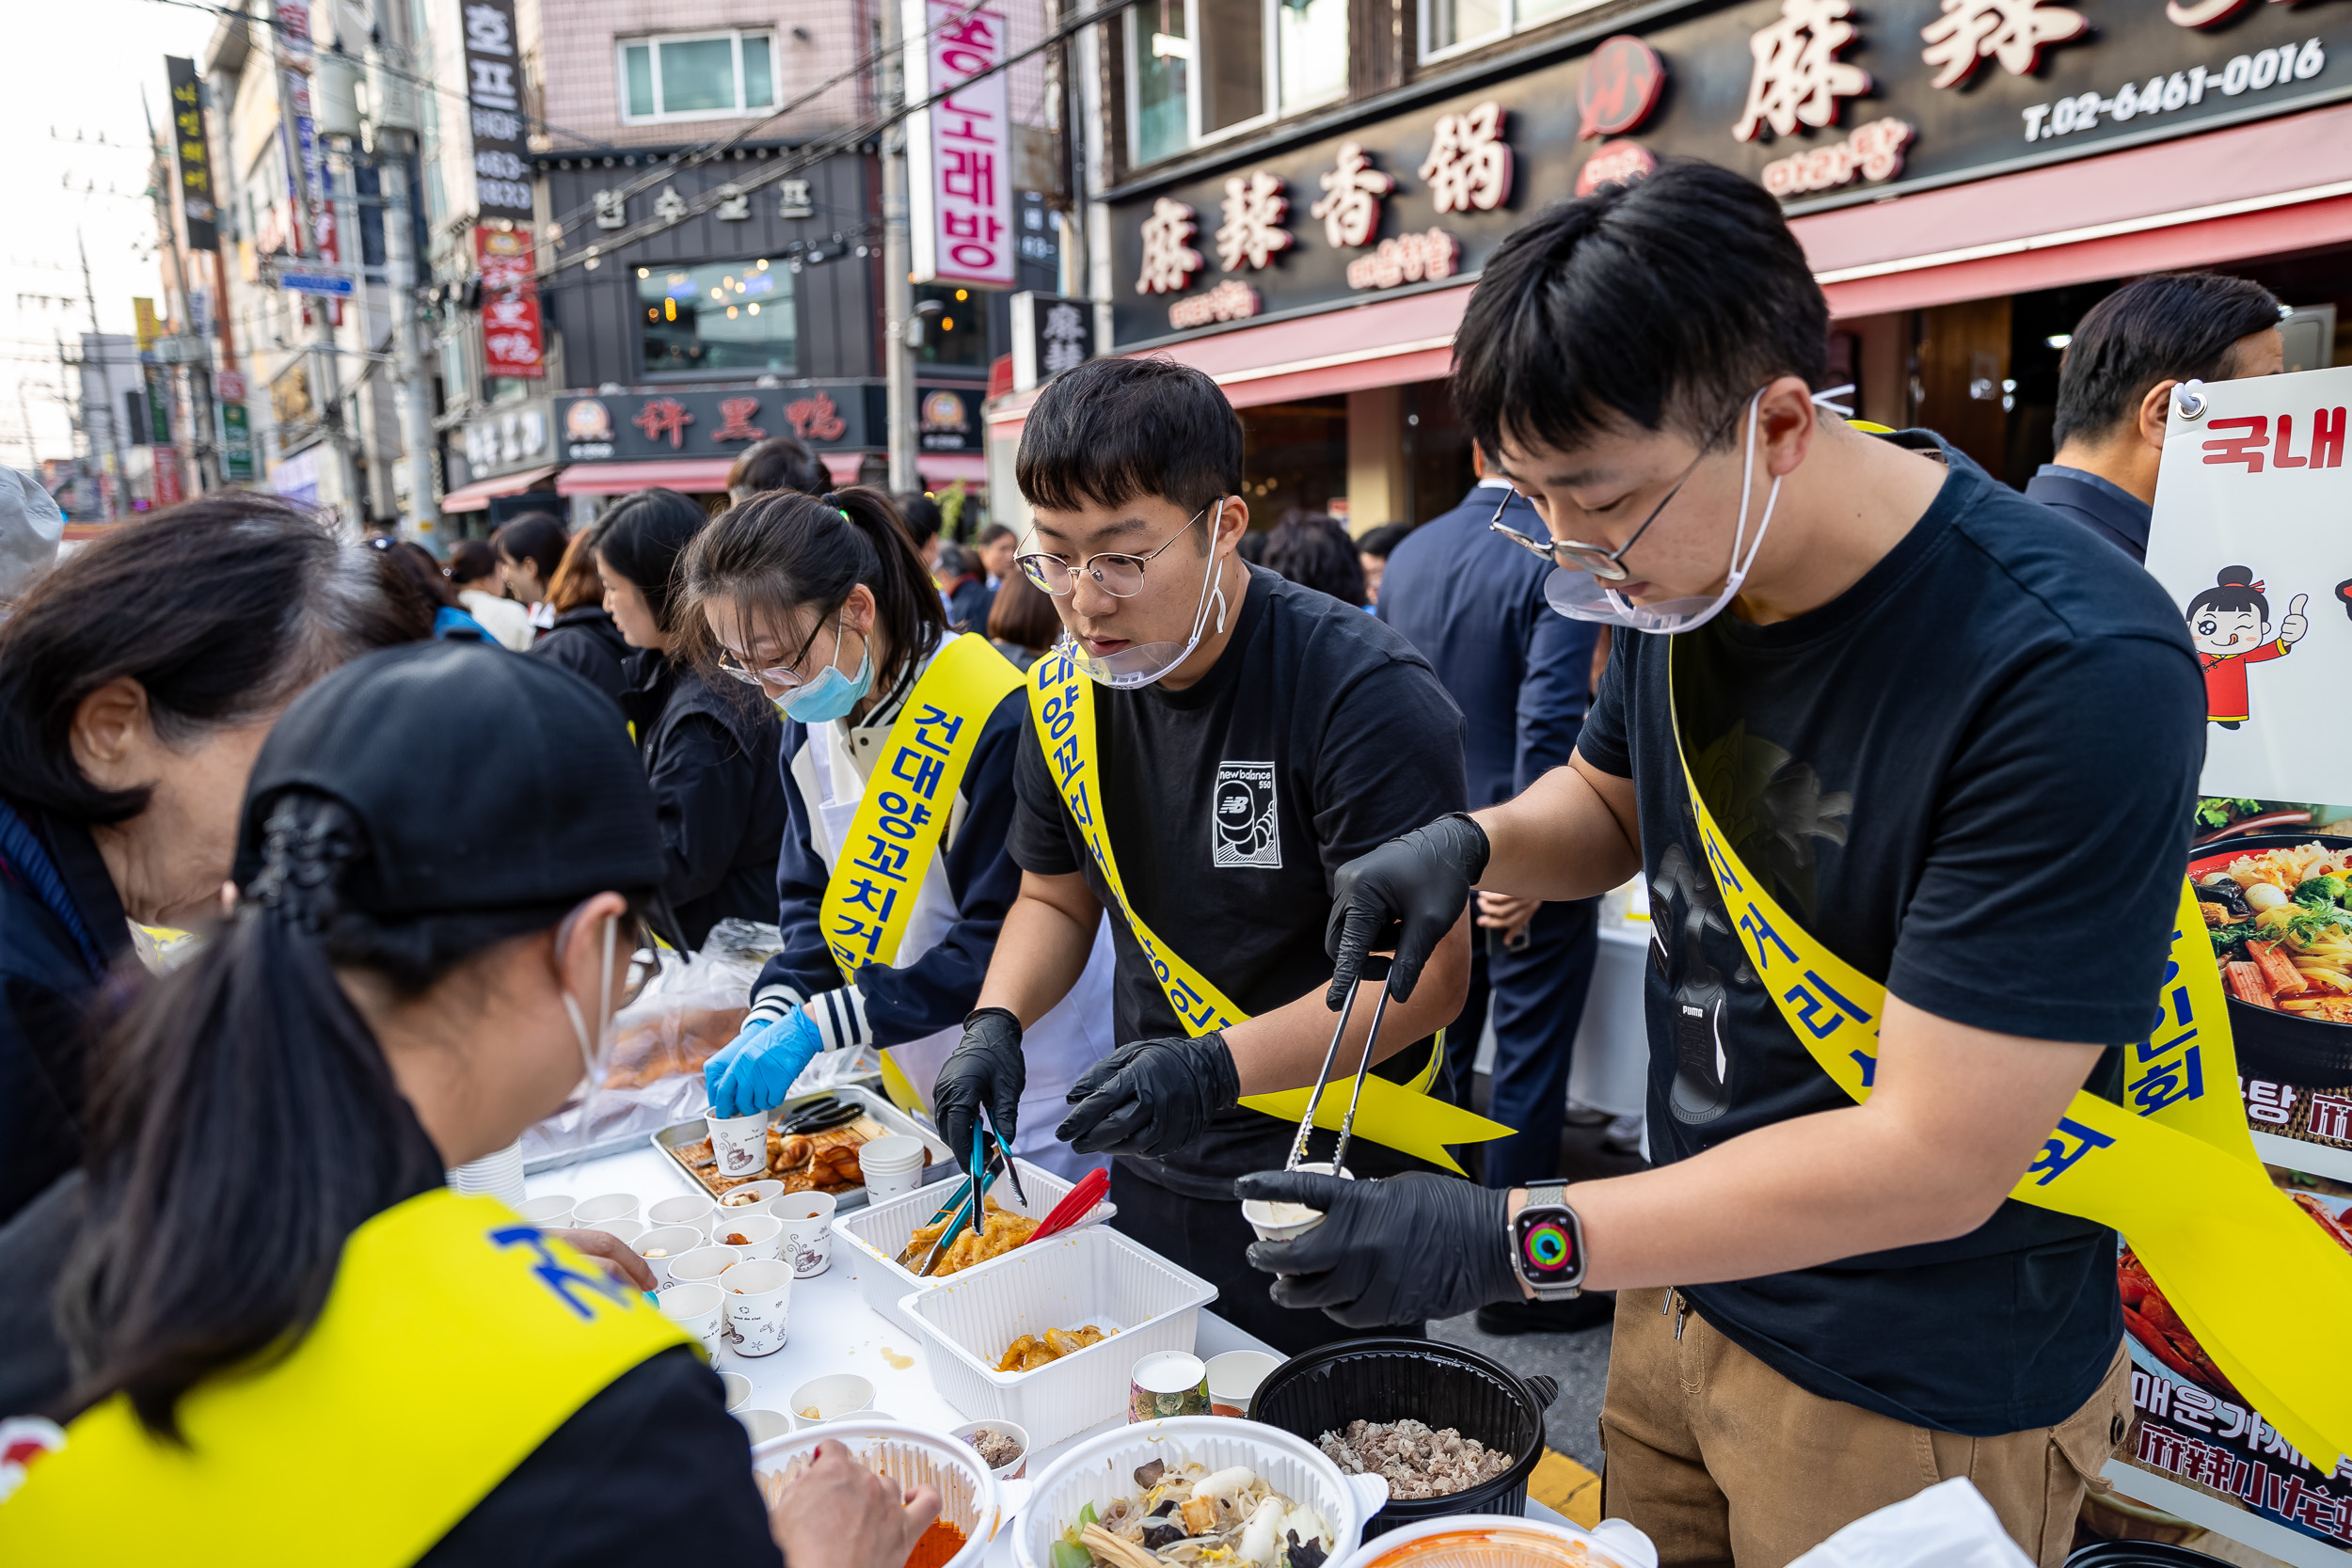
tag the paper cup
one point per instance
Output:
(807, 1240)
(739, 1390)
(1283, 1222)
(752, 1197)
(692, 1211)
(1168, 1382)
(829, 1399)
(703, 1264)
(739, 1143)
(1010, 1470)
(498, 1174)
(891, 1165)
(590, 1212)
(552, 1213)
(764, 1424)
(698, 1309)
(1233, 1378)
(627, 1231)
(759, 1302)
(664, 1245)
(762, 1234)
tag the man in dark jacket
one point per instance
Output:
(2126, 357)
(1472, 602)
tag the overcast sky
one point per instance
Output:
(79, 71)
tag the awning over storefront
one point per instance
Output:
(693, 475)
(2193, 202)
(843, 465)
(475, 496)
(945, 468)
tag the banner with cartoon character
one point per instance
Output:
(2252, 538)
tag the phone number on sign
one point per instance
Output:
(2289, 62)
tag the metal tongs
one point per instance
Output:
(1375, 968)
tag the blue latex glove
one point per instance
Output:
(755, 1070)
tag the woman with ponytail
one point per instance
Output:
(293, 1342)
(898, 743)
(709, 754)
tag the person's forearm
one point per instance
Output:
(1040, 952)
(1560, 838)
(1284, 1049)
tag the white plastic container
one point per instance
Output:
(1102, 1470)
(969, 1496)
(1499, 1541)
(1094, 1276)
(876, 1234)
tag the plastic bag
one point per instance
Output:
(1948, 1526)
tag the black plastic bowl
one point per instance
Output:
(1443, 1385)
(2309, 1052)
(2141, 1553)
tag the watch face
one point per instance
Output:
(1546, 1245)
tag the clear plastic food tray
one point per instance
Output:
(1094, 1276)
(678, 1134)
(877, 1233)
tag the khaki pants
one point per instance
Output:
(1722, 1460)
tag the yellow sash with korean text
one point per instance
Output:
(2174, 1170)
(894, 834)
(1403, 1117)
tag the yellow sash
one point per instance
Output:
(2175, 1170)
(455, 1340)
(896, 832)
(1404, 1117)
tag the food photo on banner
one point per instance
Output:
(2249, 540)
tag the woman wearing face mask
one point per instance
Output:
(899, 740)
(294, 1341)
(708, 753)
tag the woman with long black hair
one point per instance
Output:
(295, 1343)
(710, 755)
(898, 742)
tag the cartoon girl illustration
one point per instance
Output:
(2230, 623)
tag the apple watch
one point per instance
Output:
(1548, 1244)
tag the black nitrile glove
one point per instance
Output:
(1398, 1250)
(1406, 894)
(985, 1071)
(1150, 1098)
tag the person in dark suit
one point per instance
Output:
(1472, 603)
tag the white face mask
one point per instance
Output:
(1145, 663)
(596, 1055)
(1580, 596)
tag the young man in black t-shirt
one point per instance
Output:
(1252, 735)
(1958, 745)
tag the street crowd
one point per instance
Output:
(1098, 827)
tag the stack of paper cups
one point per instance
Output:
(498, 1176)
(892, 1165)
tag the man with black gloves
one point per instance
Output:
(1208, 746)
(1940, 748)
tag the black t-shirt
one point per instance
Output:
(1971, 774)
(1328, 735)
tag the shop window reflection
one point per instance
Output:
(718, 316)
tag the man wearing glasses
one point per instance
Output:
(1870, 716)
(1243, 738)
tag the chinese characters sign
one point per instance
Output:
(194, 154)
(960, 149)
(494, 96)
(511, 339)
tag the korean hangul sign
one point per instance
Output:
(960, 149)
(2250, 542)
(511, 339)
(494, 99)
(193, 151)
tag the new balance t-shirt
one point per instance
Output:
(1971, 775)
(1322, 734)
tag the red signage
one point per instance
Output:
(1620, 88)
(512, 344)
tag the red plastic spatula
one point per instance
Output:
(1076, 1206)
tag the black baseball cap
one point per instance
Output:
(480, 779)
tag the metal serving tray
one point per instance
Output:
(674, 1137)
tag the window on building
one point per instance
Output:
(958, 335)
(718, 316)
(697, 76)
(1200, 69)
(1449, 24)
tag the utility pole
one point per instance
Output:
(400, 263)
(116, 493)
(898, 254)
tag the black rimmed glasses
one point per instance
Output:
(1118, 575)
